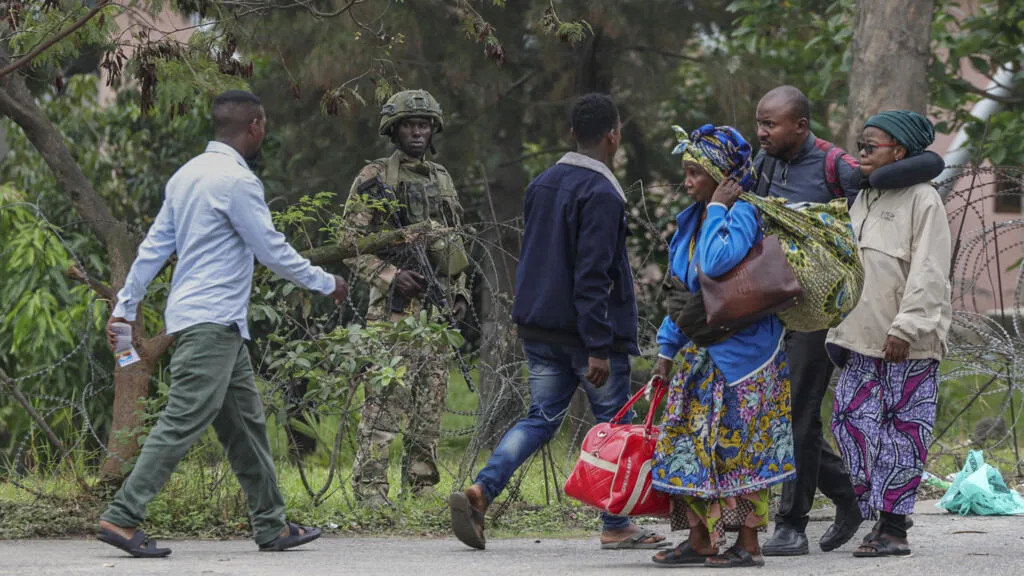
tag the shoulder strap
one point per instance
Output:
(832, 155)
(391, 172)
(764, 185)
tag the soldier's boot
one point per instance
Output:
(370, 469)
(419, 469)
(370, 479)
(374, 495)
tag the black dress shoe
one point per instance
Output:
(847, 522)
(786, 541)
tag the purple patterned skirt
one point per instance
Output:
(882, 423)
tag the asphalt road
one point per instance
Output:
(942, 544)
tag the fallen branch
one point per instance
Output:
(350, 246)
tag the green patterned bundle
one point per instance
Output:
(821, 248)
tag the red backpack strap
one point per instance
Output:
(833, 154)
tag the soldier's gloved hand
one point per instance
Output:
(410, 284)
(460, 308)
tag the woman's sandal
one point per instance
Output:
(878, 525)
(637, 541)
(681, 555)
(139, 546)
(881, 547)
(297, 536)
(735, 557)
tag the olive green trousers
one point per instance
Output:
(212, 382)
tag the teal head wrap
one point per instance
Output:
(912, 130)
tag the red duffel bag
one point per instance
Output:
(613, 472)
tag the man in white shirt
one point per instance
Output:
(215, 218)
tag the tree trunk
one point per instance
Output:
(890, 60)
(131, 386)
(499, 405)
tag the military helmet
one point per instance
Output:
(410, 104)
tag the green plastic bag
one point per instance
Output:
(821, 248)
(979, 489)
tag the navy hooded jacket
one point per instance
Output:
(573, 283)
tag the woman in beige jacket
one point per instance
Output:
(890, 346)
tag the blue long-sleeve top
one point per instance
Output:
(721, 243)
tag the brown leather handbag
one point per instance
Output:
(761, 285)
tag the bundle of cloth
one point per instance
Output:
(821, 248)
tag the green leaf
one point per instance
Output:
(980, 64)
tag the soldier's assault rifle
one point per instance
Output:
(414, 257)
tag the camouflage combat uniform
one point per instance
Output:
(424, 191)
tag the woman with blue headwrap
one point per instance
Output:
(727, 434)
(890, 346)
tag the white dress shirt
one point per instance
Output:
(215, 217)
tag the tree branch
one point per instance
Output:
(546, 151)
(155, 347)
(666, 53)
(55, 38)
(337, 12)
(100, 288)
(352, 245)
(996, 97)
(11, 387)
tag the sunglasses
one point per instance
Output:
(870, 148)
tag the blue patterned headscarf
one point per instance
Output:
(721, 151)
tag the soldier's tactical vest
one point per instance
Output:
(434, 200)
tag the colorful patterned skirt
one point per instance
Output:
(723, 444)
(882, 422)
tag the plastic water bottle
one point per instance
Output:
(124, 351)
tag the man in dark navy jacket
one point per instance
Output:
(575, 309)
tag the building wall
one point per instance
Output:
(982, 282)
(165, 24)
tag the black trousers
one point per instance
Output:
(817, 465)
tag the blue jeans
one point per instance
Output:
(555, 372)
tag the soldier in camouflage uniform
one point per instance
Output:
(424, 192)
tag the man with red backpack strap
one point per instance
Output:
(795, 164)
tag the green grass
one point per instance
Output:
(203, 499)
